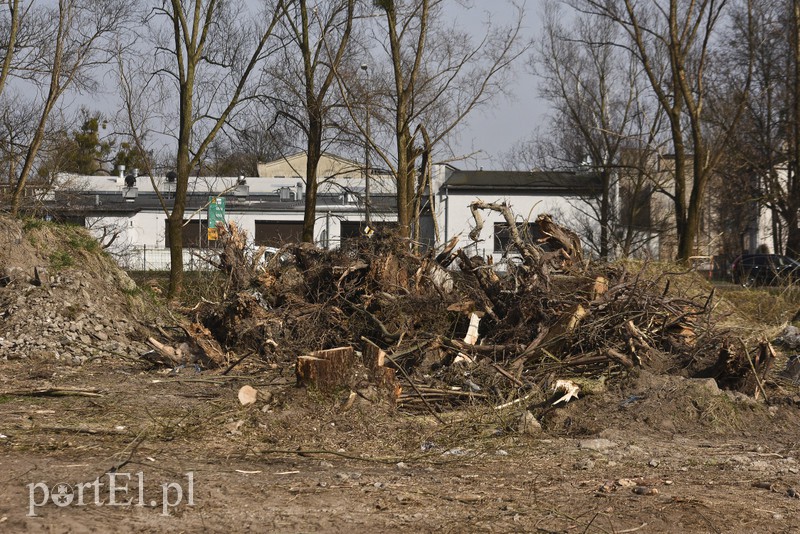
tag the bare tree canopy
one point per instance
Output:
(58, 47)
(678, 49)
(437, 76)
(303, 79)
(204, 56)
(600, 117)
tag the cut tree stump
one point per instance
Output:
(326, 370)
(384, 378)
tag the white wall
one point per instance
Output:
(148, 228)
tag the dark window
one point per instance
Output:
(278, 233)
(351, 229)
(195, 234)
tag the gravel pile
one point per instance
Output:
(70, 314)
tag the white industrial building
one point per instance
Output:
(126, 210)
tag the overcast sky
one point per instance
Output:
(493, 130)
(489, 131)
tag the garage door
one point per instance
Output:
(277, 233)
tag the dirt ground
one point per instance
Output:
(659, 455)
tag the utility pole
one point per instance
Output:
(367, 218)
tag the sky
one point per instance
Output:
(494, 130)
(489, 131)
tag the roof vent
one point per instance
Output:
(242, 189)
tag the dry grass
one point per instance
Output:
(764, 308)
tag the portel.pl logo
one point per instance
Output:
(114, 492)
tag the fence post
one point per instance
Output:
(144, 257)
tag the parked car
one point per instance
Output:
(765, 269)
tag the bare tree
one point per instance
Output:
(786, 196)
(245, 143)
(206, 54)
(15, 124)
(77, 39)
(675, 44)
(303, 77)
(9, 32)
(437, 76)
(598, 116)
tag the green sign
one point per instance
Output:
(216, 211)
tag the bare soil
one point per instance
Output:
(703, 461)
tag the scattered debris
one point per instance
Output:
(528, 424)
(597, 444)
(247, 395)
(53, 392)
(789, 337)
(569, 388)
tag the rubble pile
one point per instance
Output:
(62, 299)
(451, 328)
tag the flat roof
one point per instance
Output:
(533, 181)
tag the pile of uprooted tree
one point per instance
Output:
(438, 328)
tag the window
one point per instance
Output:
(195, 234)
(278, 233)
(351, 229)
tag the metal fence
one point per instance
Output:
(146, 258)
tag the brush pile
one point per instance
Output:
(440, 328)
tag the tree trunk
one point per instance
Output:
(682, 226)
(405, 179)
(605, 214)
(793, 185)
(183, 158)
(53, 94)
(11, 44)
(313, 155)
(793, 236)
(175, 223)
(33, 149)
(687, 246)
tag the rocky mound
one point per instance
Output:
(62, 298)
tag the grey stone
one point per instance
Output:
(707, 384)
(598, 444)
(528, 424)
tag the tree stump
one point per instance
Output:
(384, 378)
(326, 370)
